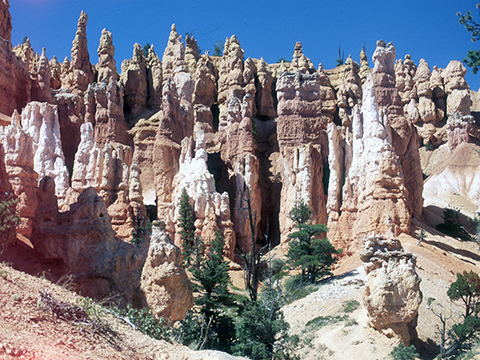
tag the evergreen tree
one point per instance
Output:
(187, 226)
(309, 249)
(209, 325)
(262, 332)
(473, 26)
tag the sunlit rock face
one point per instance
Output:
(79, 72)
(33, 149)
(306, 103)
(211, 209)
(374, 163)
(168, 292)
(392, 294)
(238, 153)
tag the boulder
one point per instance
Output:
(392, 294)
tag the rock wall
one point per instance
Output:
(83, 239)
(8, 231)
(235, 134)
(375, 166)
(306, 103)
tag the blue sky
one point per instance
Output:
(425, 29)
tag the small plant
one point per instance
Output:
(144, 321)
(296, 288)
(401, 352)
(321, 321)
(341, 57)
(146, 48)
(350, 305)
(429, 146)
(282, 59)
(421, 237)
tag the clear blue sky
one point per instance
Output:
(425, 29)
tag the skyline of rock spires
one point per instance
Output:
(283, 131)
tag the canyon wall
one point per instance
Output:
(228, 130)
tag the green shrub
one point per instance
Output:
(401, 352)
(350, 305)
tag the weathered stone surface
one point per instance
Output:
(154, 79)
(38, 122)
(106, 67)
(191, 54)
(143, 134)
(110, 125)
(458, 129)
(364, 66)
(204, 95)
(55, 74)
(168, 292)
(300, 62)
(349, 90)
(456, 88)
(5, 21)
(83, 239)
(169, 57)
(306, 103)
(176, 124)
(71, 114)
(238, 153)
(392, 295)
(15, 82)
(41, 76)
(19, 164)
(373, 180)
(79, 72)
(404, 78)
(212, 211)
(107, 170)
(7, 198)
(236, 78)
(134, 80)
(264, 97)
(404, 136)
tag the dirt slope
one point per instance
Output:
(27, 331)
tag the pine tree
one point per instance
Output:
(187, 226)
(309, 249)
(209, 326)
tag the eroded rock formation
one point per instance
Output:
(134, 80)
(83, 239)
(7, 201)
(168, 292)
(392, 294)
(106, 67)
(306, 103)
(79, 71)
(235, 135)
(381, 163)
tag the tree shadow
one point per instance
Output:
(446, 247)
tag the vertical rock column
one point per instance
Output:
(306, 103)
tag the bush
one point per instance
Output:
(350, 305)
(401, 352)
